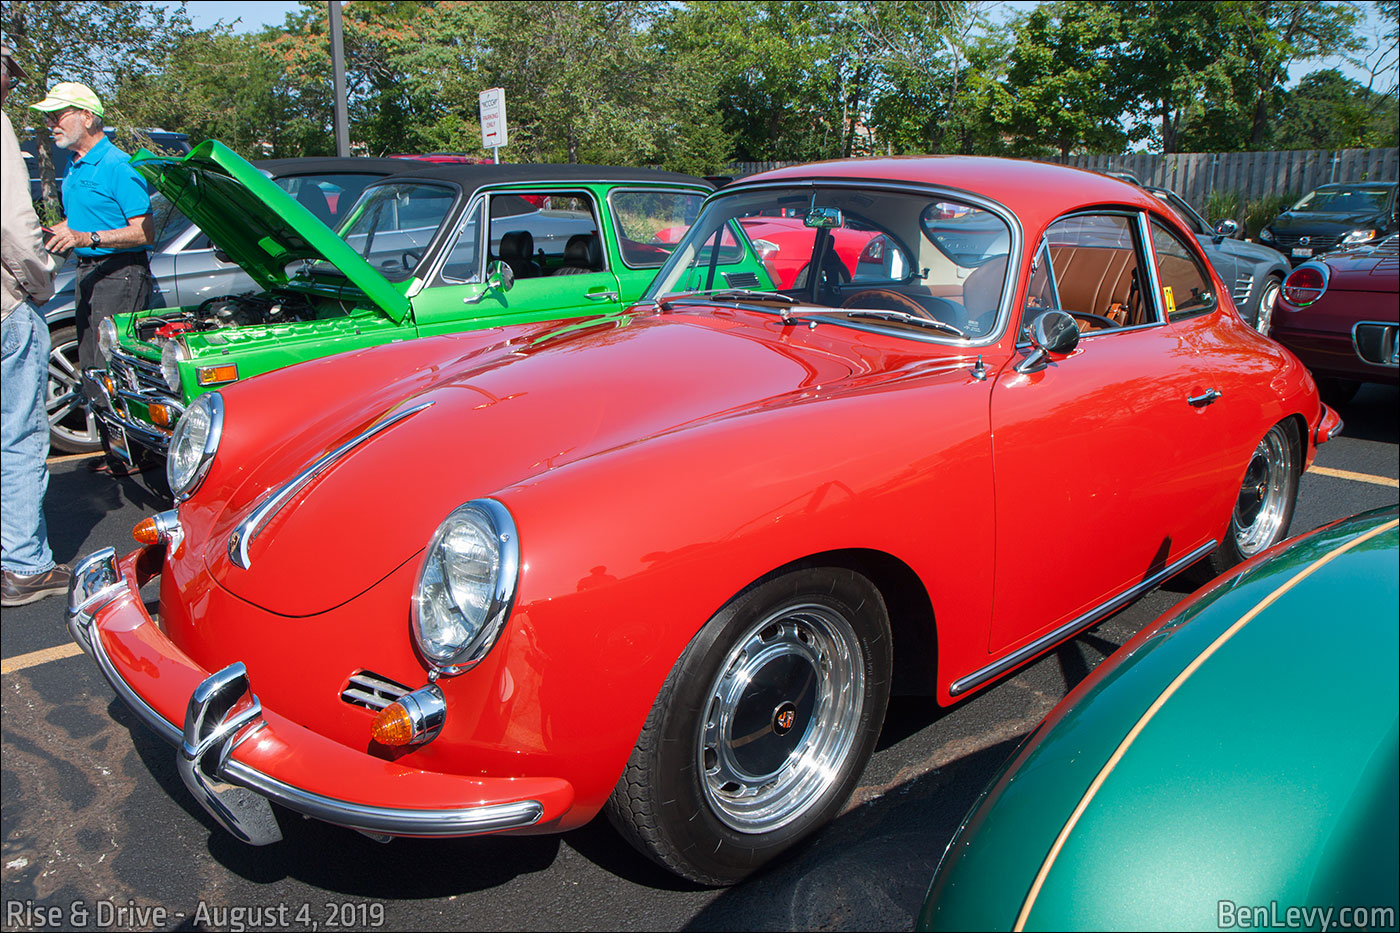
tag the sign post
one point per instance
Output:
(493, 120)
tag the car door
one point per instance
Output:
(1097, 454)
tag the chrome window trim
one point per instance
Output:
(1013, 254)
(502, 599)
(211, 447)
(1201, 261)
(613, 215)
(435, 275)
(243, 534)
(1007, 662)
(388, 820)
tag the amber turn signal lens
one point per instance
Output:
(214, 375)
(146, 531)
(393, 726)
(160, 414)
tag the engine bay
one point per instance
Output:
(227, 311)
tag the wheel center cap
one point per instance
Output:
(784, 718)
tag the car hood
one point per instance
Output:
(498, 415)
(1368, 269)
(1325, 223)
(260, 226)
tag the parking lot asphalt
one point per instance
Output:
(99, 832)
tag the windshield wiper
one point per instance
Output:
(904, 317)
(728, 295)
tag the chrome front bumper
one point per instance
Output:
(223, 713)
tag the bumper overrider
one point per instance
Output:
(237, 757)
(133, 381)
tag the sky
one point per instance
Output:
(251, 15)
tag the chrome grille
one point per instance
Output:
(372, 691)
(1317, 244)
(137, 375)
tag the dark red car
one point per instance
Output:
(1340, 314)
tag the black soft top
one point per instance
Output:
(331, 165)
(471, 177)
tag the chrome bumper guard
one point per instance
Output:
(223, 713)
(113, 411)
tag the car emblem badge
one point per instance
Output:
(783, 718)
(1305, 240)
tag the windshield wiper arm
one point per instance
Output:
(904, 317)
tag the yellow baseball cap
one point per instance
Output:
(70, 94)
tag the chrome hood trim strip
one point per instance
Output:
(242, 536)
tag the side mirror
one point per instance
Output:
(1226, 229)
(1052, 333)
(499, 277)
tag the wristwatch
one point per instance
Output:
(96, 238)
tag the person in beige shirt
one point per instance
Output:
(26, 281)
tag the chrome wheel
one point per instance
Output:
(781, 717)
(72, 428)
(1263, 320)
(1264, 505)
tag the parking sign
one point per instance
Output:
(493, 117)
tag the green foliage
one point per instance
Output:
(1222, 205)
(1260, 212)
(1329, 111)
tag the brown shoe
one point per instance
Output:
(17, 590)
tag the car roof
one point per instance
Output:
(471, 177)
(332, 165)
(1021, 185)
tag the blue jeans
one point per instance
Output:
(24, 443)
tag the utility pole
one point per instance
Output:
(342, 113)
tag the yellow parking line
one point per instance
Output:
(1357, 477)
(65, 458)
(35, 658)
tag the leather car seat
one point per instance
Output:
(582, 253)
(517, 251)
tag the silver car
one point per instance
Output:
(187, 270)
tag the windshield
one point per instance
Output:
(392, 224)
(891, 258)
(1352, 199)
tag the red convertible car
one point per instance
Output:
(1340, 313)
(671, 563)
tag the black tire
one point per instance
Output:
(1264, 506)
(802, 661)
(72, 428)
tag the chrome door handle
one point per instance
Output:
(1204, 399)
(601, 296)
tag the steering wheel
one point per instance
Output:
(1106, 322)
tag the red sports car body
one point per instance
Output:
(671, 563)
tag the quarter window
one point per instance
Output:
(649, 224)
(1186, 285)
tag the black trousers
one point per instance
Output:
(115, 284)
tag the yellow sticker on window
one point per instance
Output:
(1171, 302)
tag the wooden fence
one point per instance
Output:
(1194, 175)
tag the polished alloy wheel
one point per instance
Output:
(781, 718)
(72, 428)
(1263, 504)
(1264, 320)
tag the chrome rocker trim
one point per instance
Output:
(996, 668)
(217, 721)
(248, 529)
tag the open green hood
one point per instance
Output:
(260, 226)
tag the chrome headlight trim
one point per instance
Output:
(184, 486)
(106, 338)
(492, 517)
(171, 355)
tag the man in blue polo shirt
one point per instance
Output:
(109, 224)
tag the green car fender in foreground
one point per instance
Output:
(1233, 766)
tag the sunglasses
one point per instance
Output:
(54, 118)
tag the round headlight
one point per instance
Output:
(170, 356)
(466, 586)
(194, 444)
(107, 337)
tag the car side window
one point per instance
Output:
(543, 233)
(650, 223)
(1089, 265)
(1186, 284)
(463, 262)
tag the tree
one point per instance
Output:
(117, 38)
(1330, 111)
(1066, 88)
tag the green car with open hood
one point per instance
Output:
(433, 249)
(1235, 765)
